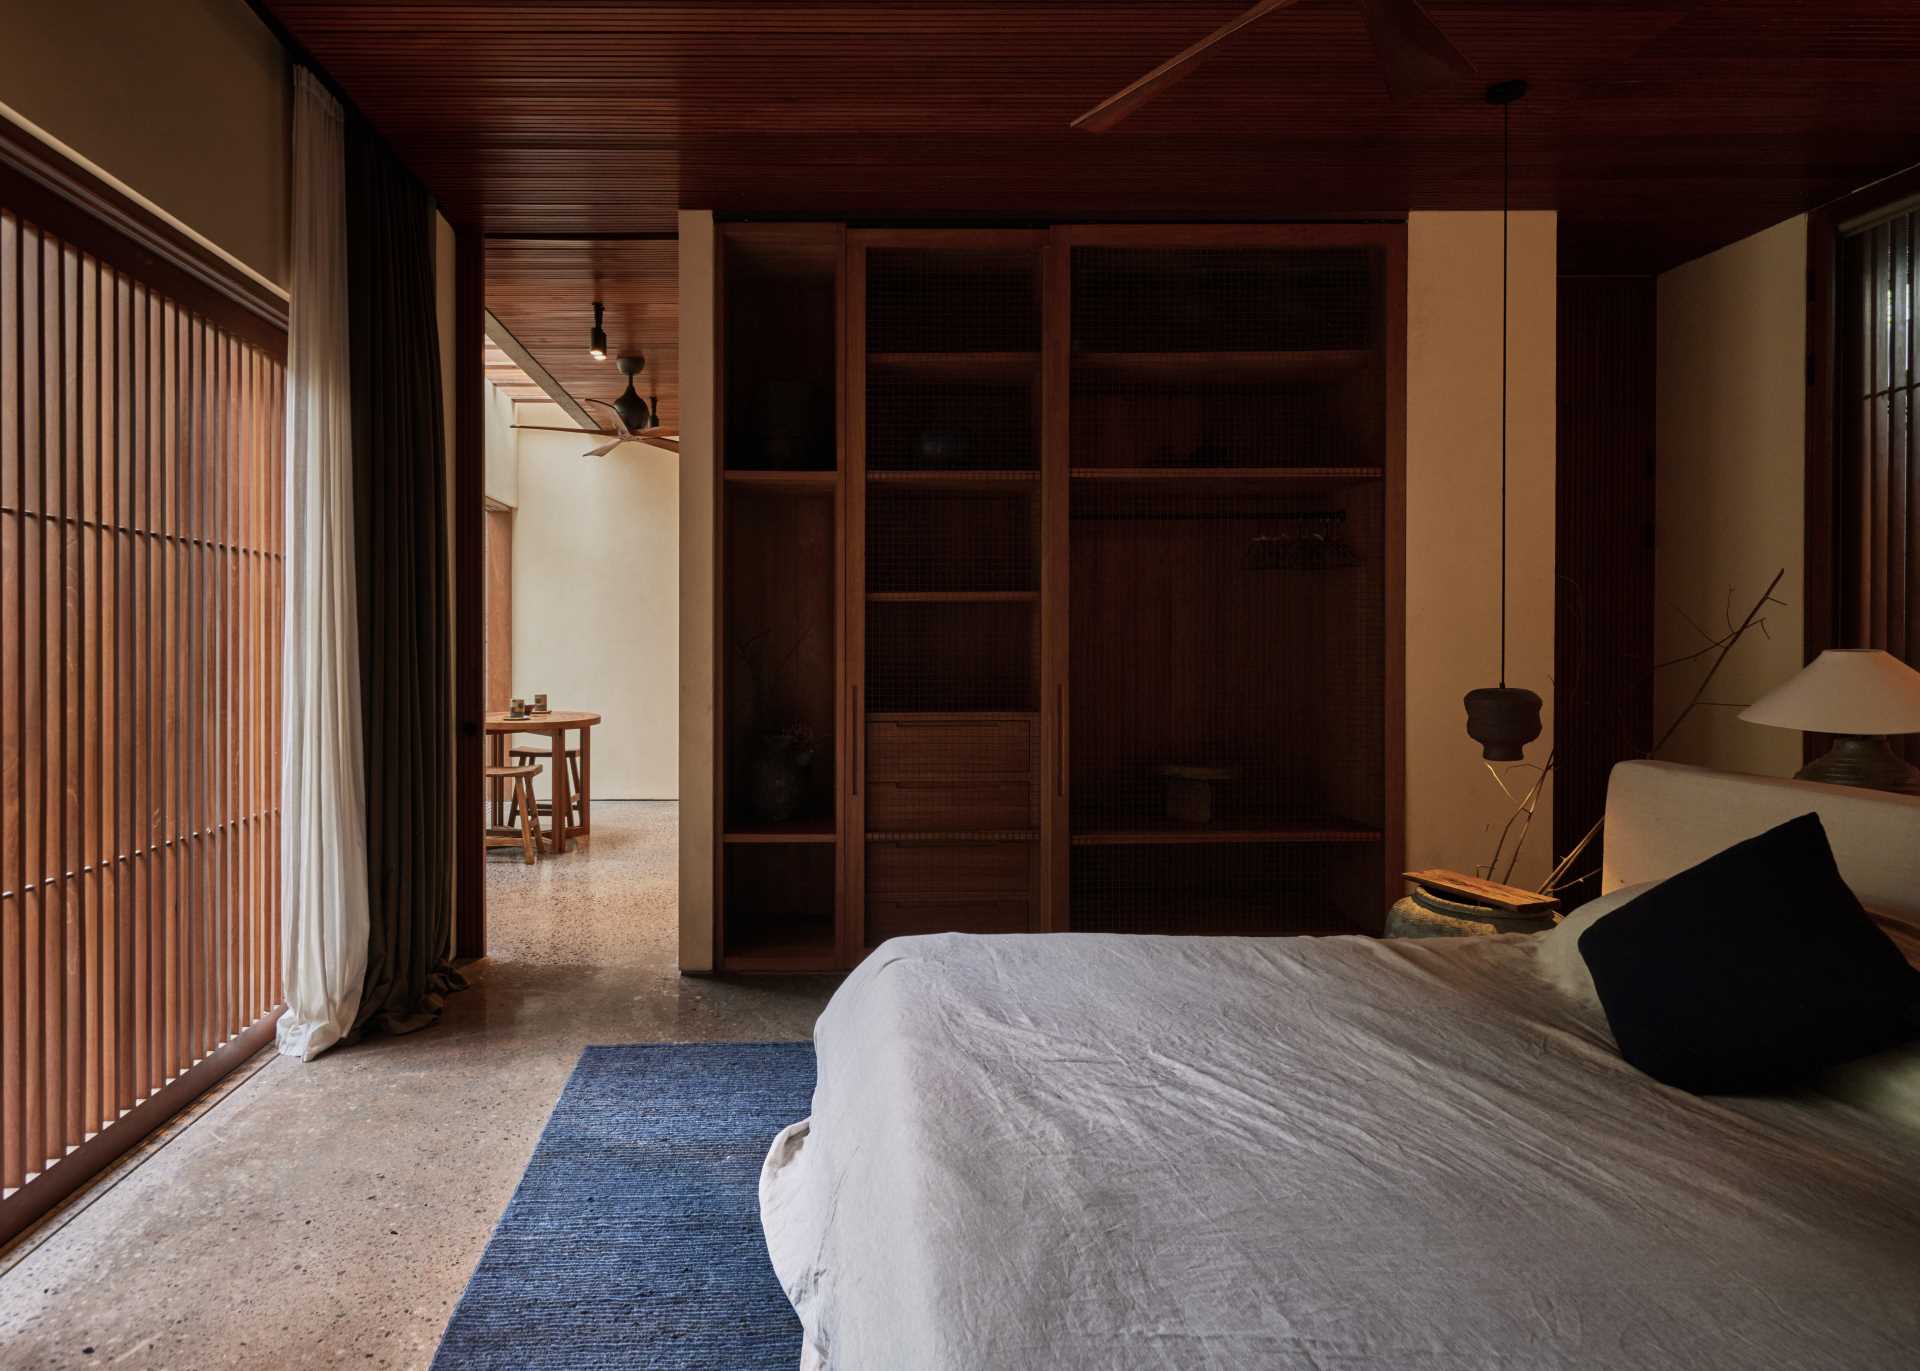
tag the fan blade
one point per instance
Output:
(619, 426)
(1413, 53)
(1114, 108)
(605, 448)
(549, 428)
(669, 442)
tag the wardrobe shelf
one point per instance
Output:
(1139, 832)
(779, 517)
(985, 367)
(958, 481)
(953, 597)
(1275, 481)
(792, 831)
(948, 716)
(784, 480)
(1189, 369)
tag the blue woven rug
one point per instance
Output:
(634, 1238)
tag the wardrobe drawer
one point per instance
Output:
(951, 804)
(891, 917)
(950, 870)
(905, 750)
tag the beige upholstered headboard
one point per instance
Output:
(1663, 818)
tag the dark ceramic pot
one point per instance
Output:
(777, 777)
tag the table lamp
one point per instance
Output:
(1860, 695)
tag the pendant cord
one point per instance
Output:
(1506, 179)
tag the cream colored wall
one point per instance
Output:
(1453, 807)
(595, 599)
(1729, 499)
(502, 481)
(698, 464)
(187, 102)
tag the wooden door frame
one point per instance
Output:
(1393, 241)
(850, 577)
(1056, 601)
(469, 592)
(495, 522)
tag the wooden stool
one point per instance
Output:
(525, 835)
(577, 797)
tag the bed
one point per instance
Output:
(1078, 1151)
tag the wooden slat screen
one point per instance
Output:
(1604, 586)
(1878, 488)
(140, 604)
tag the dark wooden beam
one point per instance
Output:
(469, 589)
(503, 339)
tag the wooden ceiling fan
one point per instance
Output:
(652, 437)
(1414, 56)
(634, 420)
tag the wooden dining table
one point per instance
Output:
(554, 724)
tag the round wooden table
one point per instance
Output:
(554, 724)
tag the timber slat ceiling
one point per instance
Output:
(543, 293)
(1659, 128)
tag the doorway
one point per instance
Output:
(577, 599)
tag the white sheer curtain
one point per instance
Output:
(323, 845)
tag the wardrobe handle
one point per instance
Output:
(1060, 740)
(853, 697)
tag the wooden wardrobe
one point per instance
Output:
(1072, 557)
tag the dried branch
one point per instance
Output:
(1522, 813)
(1695, 656)
(1729, 642)
(1765, 599)
(1694, 623)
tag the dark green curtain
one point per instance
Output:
(399, 459)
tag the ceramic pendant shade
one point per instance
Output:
(1503, 720)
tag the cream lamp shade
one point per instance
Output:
(1844, 690)
(1859, 695)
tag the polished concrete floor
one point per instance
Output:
(328, 1213)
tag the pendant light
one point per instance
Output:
(597, 340)
(1503, 719)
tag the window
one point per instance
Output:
(1864, 430)
(140, 584)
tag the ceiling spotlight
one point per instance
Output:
(597, 340)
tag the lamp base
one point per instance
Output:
(1865, 761)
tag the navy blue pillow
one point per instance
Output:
(1753, 971)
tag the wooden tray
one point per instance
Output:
(1483, 891)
